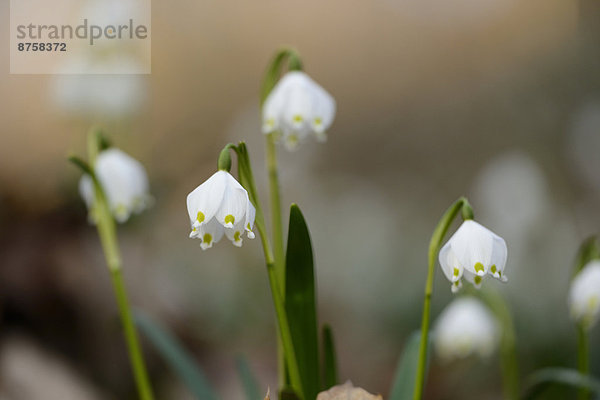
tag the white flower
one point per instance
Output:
(296, 107)
(347, 391)
(124, 181)
(464, 328)
(220, 206)
(473, 251)
(584, 294)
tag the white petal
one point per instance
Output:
(465, 327)
(498, 259)
(250, 215)
(323, 109)
(234, 204)
(124, 181)
(450, 264)
(476, 280)
(86, 190)
(210, 233)
(472, 244)
(207, 198)
(584, 295)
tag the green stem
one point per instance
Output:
(434, 247)
(108, 237)
(285, 336)
(583, 358)
(508, 343)
(270, 80)
(276, 218)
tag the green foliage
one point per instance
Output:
(330, 377)
(176, 357)
(406, 371)
(543, 378)
(249, 382)
(300, 303)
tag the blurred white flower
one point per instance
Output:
(347, 392)
(220, 206)
(584, 294)
(124, 181)
(296, 107)
(464, 328)
(473, 251)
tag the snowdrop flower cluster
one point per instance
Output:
(297, 107)
(584, 295)
(124, 181)
(473, 252)
(466, 327)
(220, 206)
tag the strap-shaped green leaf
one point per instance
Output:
(540, 380)
(329, 359)
(406, 371)
(176, 356)
(249, 382)
(300, 302)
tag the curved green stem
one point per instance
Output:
(288, 354)
(107, 231)
(583, 358)
(434, 246)
(270, 80)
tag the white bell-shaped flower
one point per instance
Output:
(466, 327)
(124, 181)
(473, 252)
(296, 107)
(584, 294)
(220, 206)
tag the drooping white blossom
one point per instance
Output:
(465, 327)
(296, 108)
(124, 181)
(584, 295)
(220, 206)
(473, 252)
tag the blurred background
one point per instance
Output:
(498, 100)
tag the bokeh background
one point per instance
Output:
(495, 99)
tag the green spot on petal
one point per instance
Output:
(236, 236)
(229, 219)
(318, 121)
(200, 217)
(479, 267)
(207, 238)
(493, 269)
(456, 272)
(298, 118)
(477, 280)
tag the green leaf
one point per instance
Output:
(249, 382)
(176, 356)
(82, 165)
(330, 361)
(406, 371)
(541, 379)
(300, 303)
